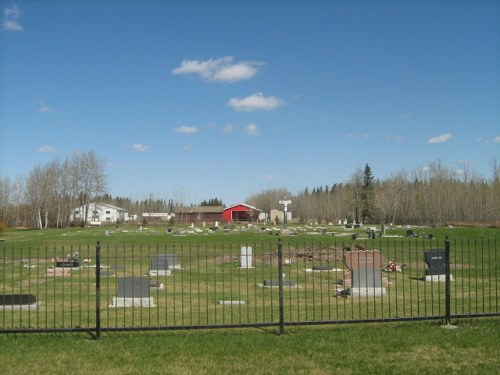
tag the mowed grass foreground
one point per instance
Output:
(392, 348)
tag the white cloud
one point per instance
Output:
(440, 138)
(139, 147)
(487, 140)
(10, 19)
(184, 129)
(252, 129)
(255, 102)
(398, 138)
(228, 128)
(219, 70)
(43, 108)
(46, 149)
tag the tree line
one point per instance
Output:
(435, 194)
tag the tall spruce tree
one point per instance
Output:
(368, 195)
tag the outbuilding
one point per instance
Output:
(241, 212)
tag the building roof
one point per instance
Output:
(242, 204)
(199, 209)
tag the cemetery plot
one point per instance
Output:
(221, 285)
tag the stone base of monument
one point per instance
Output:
(9, 302)
(227, 302)
(33, 306)
(132, 302)
(321, 268)
(441, 278)
(374, 292)
(154, 273)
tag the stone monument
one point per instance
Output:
(365, 273)
(133, 291)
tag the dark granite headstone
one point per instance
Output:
(68, 264)
(159, 264)
(436, 262)
(133, 287)
(17, 299)
(170, 259)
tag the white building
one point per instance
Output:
(99, 213)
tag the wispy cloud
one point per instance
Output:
(43, 108)
(228, 128)
(489, 140)
(440, 138)
(11, 18)
(46, 149)
(255, 102)
(184, 129)
(138, 147)
(266, 177)
(397, 138)
(223, 69)
(252, 129)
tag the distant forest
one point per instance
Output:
(435, 194)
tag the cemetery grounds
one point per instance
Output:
(210, 273)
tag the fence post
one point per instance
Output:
(447, 281)
(280, 272)
(98, 291)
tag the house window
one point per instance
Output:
(108, 218)
(108, 212)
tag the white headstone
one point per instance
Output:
(246, 257)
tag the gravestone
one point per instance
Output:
(365, 275)
(322, 267)
(276, 283)
(163, 264)
(133, 291)
(18, 302)
(436, 263)
(246, 257)
(68, 264)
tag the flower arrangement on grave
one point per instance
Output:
(75, 257)
(392, 266)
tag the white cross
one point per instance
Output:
(286, 203)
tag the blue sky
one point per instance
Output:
(226, 99)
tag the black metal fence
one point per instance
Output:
(113, 287)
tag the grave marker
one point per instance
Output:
(133, 291)
(246, 257)
(436, 262)
(365, 276)
(18, 302)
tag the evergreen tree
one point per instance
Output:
(368, 195)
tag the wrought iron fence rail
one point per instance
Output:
(213, 286)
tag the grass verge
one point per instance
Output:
(391, 348)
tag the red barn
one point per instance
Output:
(241, 212)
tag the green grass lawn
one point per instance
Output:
(392, 348)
